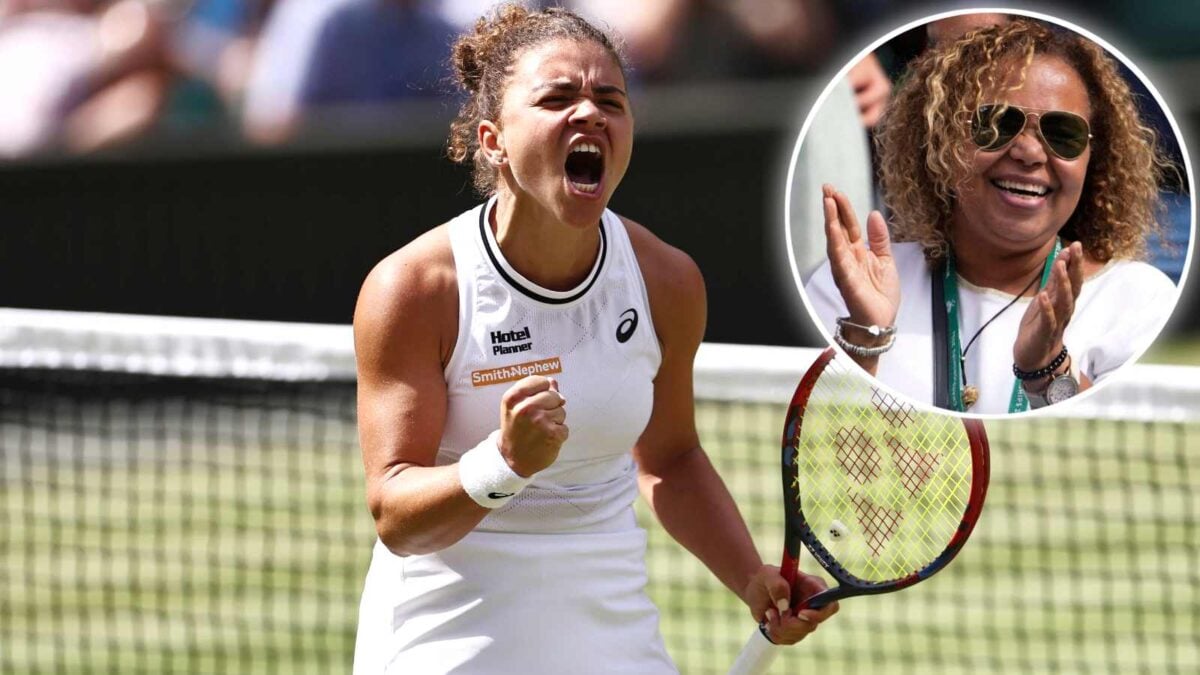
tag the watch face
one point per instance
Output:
(1061, 388)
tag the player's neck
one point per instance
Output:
(548, 253)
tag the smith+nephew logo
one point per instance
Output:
(517, 371)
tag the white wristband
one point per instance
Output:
(486, 476)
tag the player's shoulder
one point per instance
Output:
(422, 267)
(674, 285)
(409, 288)
(666, 269)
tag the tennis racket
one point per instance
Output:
(883, 495)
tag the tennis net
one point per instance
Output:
(186, 496)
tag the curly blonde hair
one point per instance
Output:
(483, 61)
(925, 151)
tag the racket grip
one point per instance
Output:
(756, 657)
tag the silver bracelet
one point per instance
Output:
(859, 350)
(873, 330)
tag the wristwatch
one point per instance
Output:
(1061, 387)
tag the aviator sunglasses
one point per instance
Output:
(1065, 135)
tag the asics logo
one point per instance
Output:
(629, 321)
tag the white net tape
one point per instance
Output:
(179, 346)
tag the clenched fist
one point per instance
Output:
(532, 424)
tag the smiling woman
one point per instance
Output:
(507, 542)
(1022, 185)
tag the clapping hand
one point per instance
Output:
(865, 276)
(1040, 336)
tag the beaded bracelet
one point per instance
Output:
(1041, 372)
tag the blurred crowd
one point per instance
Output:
(83, 75)
(78, 76)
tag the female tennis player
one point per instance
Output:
(508, 361)
(1022, 184)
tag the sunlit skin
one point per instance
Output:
(567, 92)
(559, 94)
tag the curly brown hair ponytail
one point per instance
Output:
(484, 59)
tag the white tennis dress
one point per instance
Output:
(553, 582)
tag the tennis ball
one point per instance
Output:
(838, 529)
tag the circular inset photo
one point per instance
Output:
(990, 213)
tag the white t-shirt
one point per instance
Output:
(1119, 312)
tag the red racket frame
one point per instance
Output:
(799, 531)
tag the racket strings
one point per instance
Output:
(882, 484)
(857, 454)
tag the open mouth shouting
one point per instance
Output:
(585, 166)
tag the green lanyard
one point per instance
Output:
(1018, 402)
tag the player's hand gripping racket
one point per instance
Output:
(882, 495)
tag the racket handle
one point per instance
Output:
(757, 656)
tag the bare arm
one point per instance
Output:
(676, 477)
(405, 326)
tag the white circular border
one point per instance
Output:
(1048, 411)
